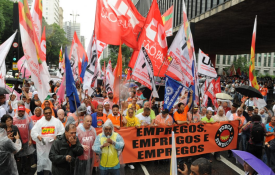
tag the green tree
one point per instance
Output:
(55, 38)
(242, 63)
(6, 20)
(126, 56)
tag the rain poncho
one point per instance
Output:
(47, 130)
(84, 163)
(109, 156)
(24, 125)
(14, 102)
(7, 149)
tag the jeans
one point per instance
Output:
(244, 142)
(265, 98)
(110, 172)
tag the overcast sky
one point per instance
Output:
(86, 10)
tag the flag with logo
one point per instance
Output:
(252, 73)
(76, 54)
(212, 94)
(4, 50)
(92, 70)
(231, 71)
(153, 39)
(205, 66)
(118, 21)
(117, 76)
(167, 19)
(61, 65)
(172, 91)
(31, 45)
(36, 13)
(109, 78)
(218, 85)
(71, 91)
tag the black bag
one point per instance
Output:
(257, 133)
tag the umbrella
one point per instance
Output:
(249, 91)
(257, 164)
(14, 80)
(223, 96)
(130, 85)
(4, 91)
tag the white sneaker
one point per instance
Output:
(131, 167)
(34, 166)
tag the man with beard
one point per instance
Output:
(25, 125)
(44, 133)
(117, 120)
(86, 134)
(109, 99)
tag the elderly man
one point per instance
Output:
(64, 120)
(86, 135)
(44, 133)
(64, 150)
(107, 109)
(152, 113)
(108, 144)
(25, 125)
(194, 116)
(225, 107)
(203, 112)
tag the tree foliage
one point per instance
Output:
(55, 38)
(241, 63)
(126, 56)
(6, 20)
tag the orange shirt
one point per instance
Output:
(115, 120)
(182, 116)
(264, 91)
(163, 121)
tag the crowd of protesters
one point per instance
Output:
(47, 136)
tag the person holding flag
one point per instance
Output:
(180, 115)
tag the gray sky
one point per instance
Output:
(86, 10)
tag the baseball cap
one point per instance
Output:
(210, 109)
(106, 103)
(21, 108)
(250, 108)
(110, 92)
(165, 111)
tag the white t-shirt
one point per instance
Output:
(2, 111)
(249, 103)
(143, 120)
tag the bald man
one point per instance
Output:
(86, 134)
(152, 113)
(64, 120)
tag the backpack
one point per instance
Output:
(257, 133)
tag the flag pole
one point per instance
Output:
(76, 107)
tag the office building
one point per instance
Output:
(69, 28)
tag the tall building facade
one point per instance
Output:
(50, 10)
(264, 62)
(82, 40)
(69, 28)
(61, 17)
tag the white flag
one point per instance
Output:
(4, 50)
(109, 78)
(205, 66)
(92, 71)
(144, 73)
(173, 166)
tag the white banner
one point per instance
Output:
(181, 66)
(109, 78)
(91, 72)
(4, 50)
(205, 66)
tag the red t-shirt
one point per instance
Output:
(34, 120)
(95, 103)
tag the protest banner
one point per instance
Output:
(155, 143)
(205, 65)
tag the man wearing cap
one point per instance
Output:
(180, 115)
(107, 109)
(79, 114)
(164, 118)
(110, 99)
(25, 125)
(232, 111)
(44, 133)
(108, 144)
(152, 113)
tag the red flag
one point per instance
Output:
(153, 38)
(118, 20)
(239, 71)
(76, 54)
(218, 86)
(43, 45)
(211, 93)
(117, 76)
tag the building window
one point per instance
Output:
(255, 60)
(228, 59)
(266, 72)
(218, 59)
(235, 58)
(224, 60)
(264, 60)
(269, 59)
(259, 60)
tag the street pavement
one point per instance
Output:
(228, 166)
